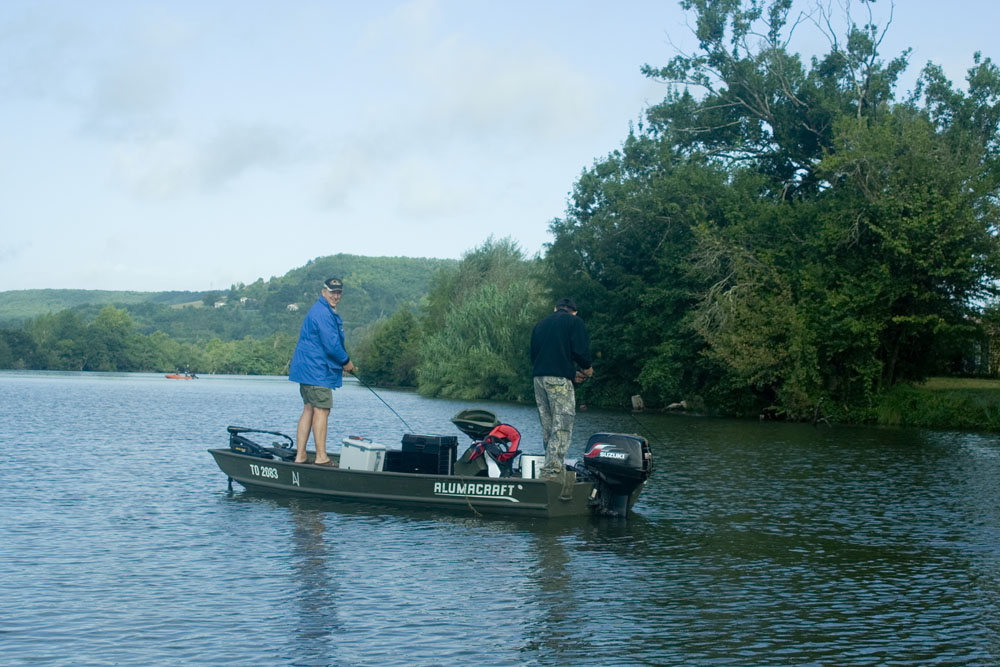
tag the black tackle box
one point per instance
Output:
(429, 454)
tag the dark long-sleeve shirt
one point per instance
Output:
(559, 343)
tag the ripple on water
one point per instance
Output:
(753, 544)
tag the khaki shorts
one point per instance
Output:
(318, 397)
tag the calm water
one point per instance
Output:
(754, 544)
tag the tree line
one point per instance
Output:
(776, 236)
(67, 341)
(248, 329)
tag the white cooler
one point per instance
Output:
(358, 454)
(531, 466)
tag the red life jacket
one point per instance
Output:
(501, 443)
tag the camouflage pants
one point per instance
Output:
(556, 401)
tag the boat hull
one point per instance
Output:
(510, 496)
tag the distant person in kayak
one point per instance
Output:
(560, 356)
(318, 366)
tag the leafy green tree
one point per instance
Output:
(482, 351)
(60, 340)
(110, 341)
(624, 253)
(477, 326)
(159, 352)
(494, 262)
(875, 240)
(389, 354)
(17, 350)
(911, 232)
(791, 233)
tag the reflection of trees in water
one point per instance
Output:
(565, 629)
(556, 621)
(318, 619)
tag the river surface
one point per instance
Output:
(753, 544)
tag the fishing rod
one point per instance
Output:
(363, 384)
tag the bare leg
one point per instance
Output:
(319, 421)
(302, 433)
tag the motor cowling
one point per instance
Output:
(621, 463)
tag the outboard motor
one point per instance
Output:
(621, 464)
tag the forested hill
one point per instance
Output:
(19, 305)
(374, 287)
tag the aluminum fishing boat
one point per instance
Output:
(492, 476)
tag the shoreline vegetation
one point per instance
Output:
(939, 404)
(959, 404)
(780, 236)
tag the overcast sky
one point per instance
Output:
(191, 145)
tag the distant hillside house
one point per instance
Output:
(293, 307)
(219, 304)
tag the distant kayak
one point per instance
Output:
(177, 376)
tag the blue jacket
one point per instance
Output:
(320, 355)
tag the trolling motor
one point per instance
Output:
(241, 444)
(620, 464)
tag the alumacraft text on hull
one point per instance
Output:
(425, 473)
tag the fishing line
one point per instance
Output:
(363, 384)
(636, 420)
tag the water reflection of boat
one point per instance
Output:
(425, 472)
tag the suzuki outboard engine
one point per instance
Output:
(621, 464)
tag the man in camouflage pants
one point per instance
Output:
(559, 345)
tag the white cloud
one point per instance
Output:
(172, 165)
(130, 95)
(404, 25)
(238, 148)
(529, 94)
(467, 115)
(12, 251)
(416, 127)
(155, 167)
(424, 192)
(340, 176)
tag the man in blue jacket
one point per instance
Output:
(318, 366)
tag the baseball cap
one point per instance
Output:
(568, 304)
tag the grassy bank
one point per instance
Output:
(965, 404)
